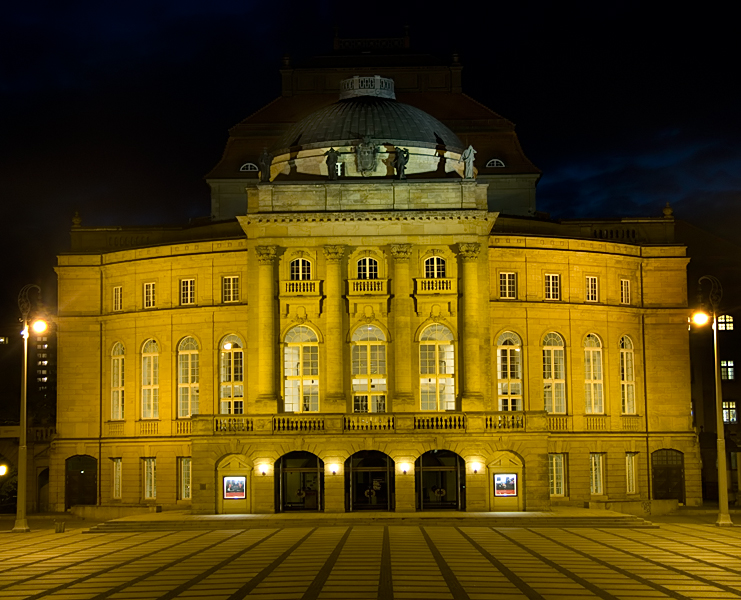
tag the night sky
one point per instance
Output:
(119, 110)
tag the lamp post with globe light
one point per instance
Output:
(702, 317)
(38, 326)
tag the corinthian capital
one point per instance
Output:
(334, 253)
(265, 254)
(401, 252)
(469, 251)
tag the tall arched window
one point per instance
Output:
(437, 368)
(188, 374)
(369, 369)
(300, 269)
(150, 380)
(231, 376)
(509, 371)
(117, 382)
(627, 376)
(367, 268)
(554, 374)
(435, 267)
(593, 399)
(301, 370)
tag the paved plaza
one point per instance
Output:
(364, 560)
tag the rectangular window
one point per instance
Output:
(187, 291)
(729, 411)
(117, 473)
(627, 382)
(592, 290)
(508, 285)
(726, 370)
(150, 298)
(117, 388)
(117, 298)
(596, 474)
(624, 291)
(725, 323)
(184, 475)
(230, 288)
(552, 286)
(557, 474)
(631, 472)
(150, 478)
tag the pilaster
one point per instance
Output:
(266, 367)
(402, 307)
(471, 399)
(334, 401)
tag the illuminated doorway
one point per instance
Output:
(440, 481)
(369, 481)
(299, 479)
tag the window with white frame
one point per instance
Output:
(729, 411)
(509, 371)
(593, 384)
(367, 268)
(231, 375)
(117, 472)
(150, 478)
(624, 291)
(727, 370)
(188, 375)
(369, 385)
(597, 474)
(150, 295)
(435, 267)
(117, 382)
(627, 376)
(631, 472)
(552, 286)
(508, 285)
(118, 298)
(301, 370)
(557, 474)
(300, 269)
(554, 374)
(187, 291)
(150, 380)
(437, 368)
(495, 162)
(230, 288)
(592, 289)
(725, 323)
(184, 477)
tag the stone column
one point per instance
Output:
(334, 401)
(267, 350)
(471, 399)
(401, 309)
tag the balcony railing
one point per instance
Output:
(306, 287)
(149, 427)
(298, 424)
(595, 423)
(559, 423)
(369, 423)
(183, 427)
(368, 286)
(440, 422)
(632, 423)
(116, 428)
(436, 286)
(506, 420)
(233, 424)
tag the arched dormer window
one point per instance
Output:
(435, 267)
(300, 269)
(188, 377)
(301, 370)
(509, 371)
(554, 374)
(367, 268)
(248, 168)
(231, 375)
(495, 162)
(437, 368)
(627, 376)
(593, 384)
(117, 382)
(150, 380)
(369, 384)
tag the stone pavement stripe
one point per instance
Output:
(386, 577)
(453, 584)
(726, 532)
(706, 545)
(316, 586)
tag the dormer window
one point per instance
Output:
(495, 162)
(248, 168)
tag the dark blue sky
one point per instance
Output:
(118, 110)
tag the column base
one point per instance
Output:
(267, 404)
(472, 402)
(334, 403)
(724, 520)
(403, 403)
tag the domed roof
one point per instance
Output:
(384, 120)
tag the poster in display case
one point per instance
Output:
(234, 488)
(505, 484)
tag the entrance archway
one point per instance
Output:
(299, 481)
(440, 481)
(81, 481)
(369, 481)
(667, 467)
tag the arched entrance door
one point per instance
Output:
(81, 481)
(369, 481)
(667, 467)
(299, 480)
(440, 481)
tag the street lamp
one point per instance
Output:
(38, 326)
(702, 317)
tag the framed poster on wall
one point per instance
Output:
(505, 484)
(234, 488)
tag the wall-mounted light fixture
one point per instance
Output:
(475, 467)
(405, 467)
(264, 469)
(334, 469)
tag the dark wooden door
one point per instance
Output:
(668, 475)
(81, 481)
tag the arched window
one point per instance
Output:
(495, 162)
(369, 369)
(367, 268)
(150, 380)
(301, 370)
(593, 399)
(509, 371)
(231, 376)
(627, 376)
(117, 382)
(188, 378)
(249, 168)
(435, 268)
(437, 368)
(554, 374)
(300, 269)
